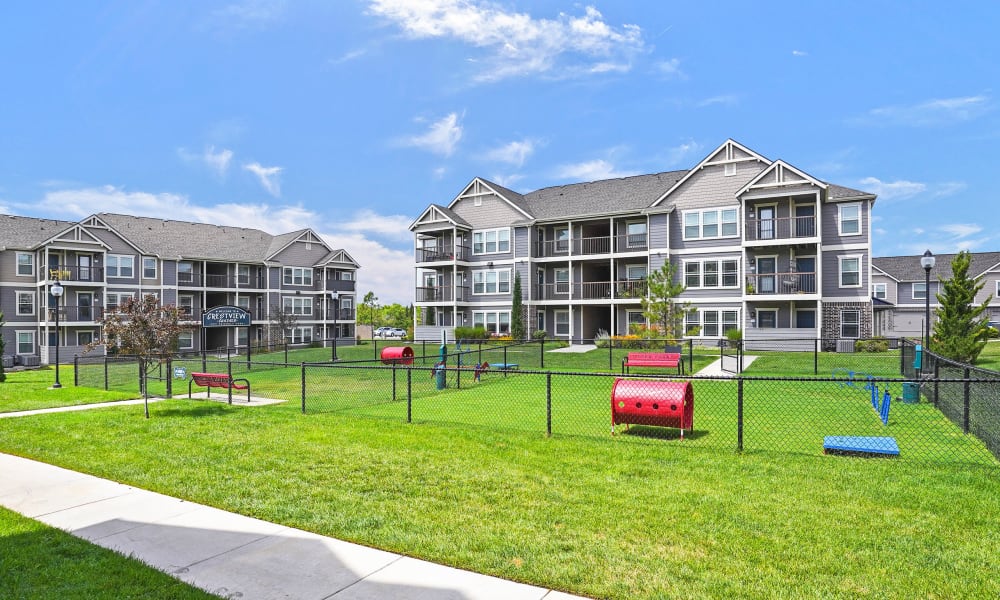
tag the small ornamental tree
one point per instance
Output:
(371, 301)
(144, 329)
(660, 305)
(517, 329)
(961, 329)
(280, 324)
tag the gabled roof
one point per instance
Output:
(907, 268)
(339, 256)
(183, 239)
(839, 192)
(280, 242)
(625, 194)
(513, 198)
(435, 213)
(28, 233)
(783, 174)
(727, 150)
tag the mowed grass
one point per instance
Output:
(38, 561)
(600, 516)
(28, 390)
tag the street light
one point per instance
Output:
(334, 296)
(927, 262)
(57, 291)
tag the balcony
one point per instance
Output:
(443, 254)
(630, 288)
(552, 291)
(592, 245)
(442, 294)
(344, 314)
(75, 273)
(770, 284)
(783, 228)
(340, 285)
(633, 242)
(75, 313)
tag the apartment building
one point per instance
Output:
(760, 244)
(899, 290)
(107, 257)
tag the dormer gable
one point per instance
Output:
(728, 153)
(780, 175)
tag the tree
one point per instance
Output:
(961, 329)
(660, 305)
(395, 315)
(517, 329)
(280, 324)
(371, 301)
(144, 329)
(3, 344)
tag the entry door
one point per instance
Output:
(805, 220)
(85, 306)
(765, 275)
(83, 262)
(765, 226)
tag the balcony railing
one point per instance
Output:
(552, 248)
(781, 283)
(552, 291)
(75, 313)
(74, 273)
(344, 314)
(782, 228)
(443, 254)
(341, 285)
(632, 242)
(592, 245)
(442, 294)
(630, 288)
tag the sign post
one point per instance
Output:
(225, 316)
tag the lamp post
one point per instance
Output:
(57, 291)
(927, 262)
(334, 297)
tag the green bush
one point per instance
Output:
(538, 334)
(471, 334)
(993, 333)
(878, 344)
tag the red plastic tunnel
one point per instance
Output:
(658, 403)
(397, 355)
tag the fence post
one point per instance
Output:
(739, 357)
(542, 353)
(333, 356)
(458, 373)
(229, 372)
(170, 378)
(937, 380)
(902, 358)
(76, 370)
(611, 347)
(816, 357)
(286, 353)
(303, 384)
(105, 372)
(505, 361)
(394, 382)
(739, 414)
(690, 357)
(548, 404)
(409, 395)
(965, 408)
(480, 352)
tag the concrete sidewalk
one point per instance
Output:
(715, 369)
(231, 555)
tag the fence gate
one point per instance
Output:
(730, 356)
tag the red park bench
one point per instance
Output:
(653, 359)
(218, 380)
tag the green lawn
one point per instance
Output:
(27, 390)
(37, 561)
(626, 517)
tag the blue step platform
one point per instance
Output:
(852, 444)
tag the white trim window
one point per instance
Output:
(713, 323)
(148, 267)
(25, 264)
(635, 317)
(850, 324)
(185, 272)
(491, 241)
(243, 275)
(185, 339)
(561, 318)
(919, 290)
(185, 304)
(880, 291)
(850, 271)
(849, 219)
(491, 282)
(84, 337)
(562, 280)
(298, 275)
(710, 224)
(997, 294)
(25, 342)
(635, 272)
(711, 274)
(497, 322)
(119, 265)
(25, 304)
(301, 335)
(113, 299)
(635, 234)
(296, 305)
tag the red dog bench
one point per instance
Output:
(657, 403)
(218, 380)
(653, 359)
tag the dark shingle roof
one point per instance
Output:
(26, 233)
(907, 268)
(600, 197)
(170, 239)
(515, 198)
(835, 192)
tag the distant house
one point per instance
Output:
(760, 244)
(899, 291)
(106, 257)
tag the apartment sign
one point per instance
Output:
(226, 316)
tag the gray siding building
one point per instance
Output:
(107, 257)
(761, 245)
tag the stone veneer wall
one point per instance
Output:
(831, 318)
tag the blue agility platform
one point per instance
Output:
(852, 444)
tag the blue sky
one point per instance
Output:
(351, 116)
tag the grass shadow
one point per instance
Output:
(203, 408)
(661, 433)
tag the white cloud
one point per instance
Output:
(517, 44)
(931, 112)
(218, 161)
(679, 154)
(892, 190)
(514, 153)
(961, 230)
(799, 53)
(593, 170)
(949, 188)
(439, 172)
(720, 100)
(671, 68)
(441, 138)
(387, 226)
(348, 57)
(268, 177)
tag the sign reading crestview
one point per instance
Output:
(226, 316)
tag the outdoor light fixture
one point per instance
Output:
(927, 262)
(57, 291)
